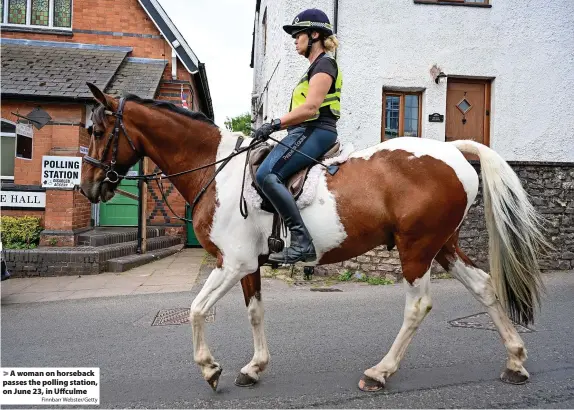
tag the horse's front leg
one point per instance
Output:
(249, 375)
(219, 282)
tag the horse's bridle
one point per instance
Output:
(112, 175)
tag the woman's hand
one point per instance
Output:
(262, 133)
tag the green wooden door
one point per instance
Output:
(191, 239)
(121, 210)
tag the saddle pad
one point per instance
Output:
(306, 195)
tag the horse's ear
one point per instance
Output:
(101, 97)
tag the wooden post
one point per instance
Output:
(144, 208)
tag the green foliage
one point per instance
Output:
(345, 276)
(375, 280)
(241, 123)
(348, 276)
(20, 233)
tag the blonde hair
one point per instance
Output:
(331, 43)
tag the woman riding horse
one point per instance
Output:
(420, 192)
(312, 127)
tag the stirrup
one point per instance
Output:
(282, 257)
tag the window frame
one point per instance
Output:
(15, 135)
(9, 135)
(50, 26)
(264, 24)
(402, 101)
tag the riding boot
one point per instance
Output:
(301, 248)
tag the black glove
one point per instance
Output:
(263, 132)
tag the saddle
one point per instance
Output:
(294, 184)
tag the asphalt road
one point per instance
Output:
(319, 342)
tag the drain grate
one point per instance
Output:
(302, 283)
(178, 316)
(484, 322)
(325, 290)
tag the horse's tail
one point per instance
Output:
(515, 234)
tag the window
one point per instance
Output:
(264, 23)
(13, 145)
(401, 114)
(37, 13)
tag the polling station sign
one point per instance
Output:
(61, 172)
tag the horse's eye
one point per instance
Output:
(98, 134)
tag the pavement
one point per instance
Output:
(320, 343)
(176, 273)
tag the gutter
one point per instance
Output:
(336, 17)
(257, 8)
(204, 89)
(336, 21)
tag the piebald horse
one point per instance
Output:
(412, 192)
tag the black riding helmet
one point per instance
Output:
(308, 21)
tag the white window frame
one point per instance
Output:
(50, 25)
(13, 135)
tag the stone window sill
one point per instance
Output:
(450, 3)
(37, 30)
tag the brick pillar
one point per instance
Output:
(67, 213)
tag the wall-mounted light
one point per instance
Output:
(439, 76)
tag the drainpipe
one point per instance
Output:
(174, 63)
(336, 20)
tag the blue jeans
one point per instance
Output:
(283, 162)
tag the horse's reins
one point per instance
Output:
(113, 177)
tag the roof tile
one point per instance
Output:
(41, 70)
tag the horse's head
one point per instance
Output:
(112, 148)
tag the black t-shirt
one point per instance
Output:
(326, 118)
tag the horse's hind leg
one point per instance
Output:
(480, 285)
(249, 375)
(218, 284)
(418, 304)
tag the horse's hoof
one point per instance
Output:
(513, 377)
(368, 384)
(244, 380)
(214, 380)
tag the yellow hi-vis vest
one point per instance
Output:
(333, 100)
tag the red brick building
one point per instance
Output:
(50, 48)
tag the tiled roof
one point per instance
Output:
(53, 69)
(140, 76)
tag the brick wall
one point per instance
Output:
(159, 213)
(27, 212)
(59, 210)
(106, 22)
(65, 210)
(62, 138)
(82, 214)
(96, 22)
(551, 191)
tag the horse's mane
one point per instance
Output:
(99, 112)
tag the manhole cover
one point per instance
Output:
(483, 321)
(178, 316)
